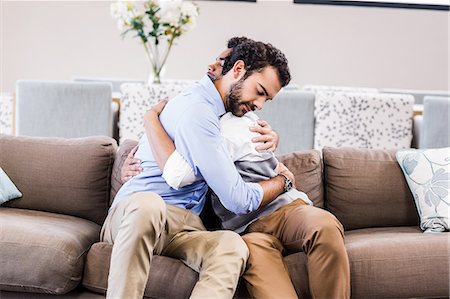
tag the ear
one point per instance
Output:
(239, 69)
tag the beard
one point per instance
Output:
(234, 100)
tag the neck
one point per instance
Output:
(221, 88)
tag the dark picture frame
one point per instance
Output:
(392, 4)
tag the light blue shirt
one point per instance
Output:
(191, 120)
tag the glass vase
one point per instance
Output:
(156, 76)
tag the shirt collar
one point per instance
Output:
(213, 95)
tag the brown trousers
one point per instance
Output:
(294, 228)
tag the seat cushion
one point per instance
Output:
(43, 252)
(168, 278)
(398, 262)
(394, 262)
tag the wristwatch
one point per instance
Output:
(287, 182)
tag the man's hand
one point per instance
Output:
(155, 110)
(131, 166)
(158, 108)
(268, 136)
(282, 169)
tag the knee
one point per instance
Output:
(329, 225)
(231, 243)
(144, 211)
(261, 240)
(330, 232)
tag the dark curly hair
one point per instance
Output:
(234, 41)
(256, 56)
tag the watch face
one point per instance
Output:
(287, 184)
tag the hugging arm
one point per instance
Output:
(160, 143)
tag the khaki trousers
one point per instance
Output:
(293, 228)
(143, 225)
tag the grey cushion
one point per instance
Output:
(417, 131)
(67, 176)
(43, 252)
(115, 83)
(291, 114)
(419, 95)
(63, 109)
(366, 188)
(435, 128)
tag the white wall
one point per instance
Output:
(335, 45)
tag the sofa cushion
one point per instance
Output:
(363, 120)
(165, 272)
(366, 188)
(43, 252)
(428, 175)
(67, 176)
(291, 114)
(307, 168)
(121, 155)
(398, 262)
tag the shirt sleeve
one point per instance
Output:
(199, 141)
(177, 172)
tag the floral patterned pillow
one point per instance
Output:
(428, 175)
(8, 190)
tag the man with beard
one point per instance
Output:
(286, 224)
(268, 139)
(148, 217)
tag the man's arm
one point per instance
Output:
(160, 143)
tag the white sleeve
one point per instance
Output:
(177, 172)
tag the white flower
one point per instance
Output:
(118, 9)
(189, 9)
(170, 12)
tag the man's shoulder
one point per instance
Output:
(194, 107)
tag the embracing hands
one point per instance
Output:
(268, 136)
(131, 167)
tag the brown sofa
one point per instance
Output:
(49, 238)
